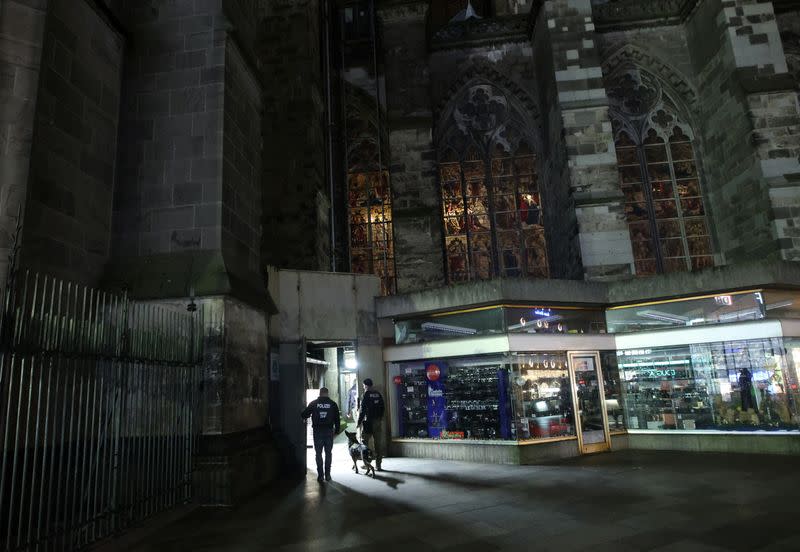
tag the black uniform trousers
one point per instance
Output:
(323, 439)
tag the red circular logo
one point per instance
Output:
(433, 372)
(398, 380)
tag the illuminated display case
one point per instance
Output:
(736, 385)
(517, 396)
(455, 399)
(483, 321)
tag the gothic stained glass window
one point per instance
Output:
(369, 197)
(659, 177)
(371, 240)
(491, 206)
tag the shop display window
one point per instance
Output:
(718, 309)
(739, 385)
(541, 396)
(781, 303)
(538, 319)
(479, 322)
(454, 399)
(499, 320)
(613, 391)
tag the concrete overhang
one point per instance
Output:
(497, 291)
(743, 276)
(750, 275)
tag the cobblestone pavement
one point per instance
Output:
(616, 501)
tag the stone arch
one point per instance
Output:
(647, 94)
(362, 131)
(483, 72)
(522, 114)
(671, 78)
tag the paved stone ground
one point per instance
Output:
(617, 501)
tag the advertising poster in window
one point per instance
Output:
(436, 375)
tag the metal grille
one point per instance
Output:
(98, 412)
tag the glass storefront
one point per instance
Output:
(527, 397)
(700, 311)
(511, 319)
(737, 385)
(512, 397)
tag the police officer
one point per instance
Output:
(370, 419)
(324, 415)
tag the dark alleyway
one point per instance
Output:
(619, 501)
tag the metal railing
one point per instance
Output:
(99, 398)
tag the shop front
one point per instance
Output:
(515, 383)
(539, 382)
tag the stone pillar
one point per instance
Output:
(416, 211)
(773, 111)
(296, 198)
(603, 232)
(188, 214)
(71, 184)
(22, 26)
(749, 120)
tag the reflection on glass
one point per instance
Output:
(541, 396)
(459, 398)
(539, 319)
(590, 404)
(743, 385)
(723, 308)
(613, 396)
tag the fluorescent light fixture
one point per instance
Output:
(310, 360)
(663, 316)
(436, 327)
(739, 314)
(655, 363)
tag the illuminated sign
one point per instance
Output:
(723, 300)
(542, 312)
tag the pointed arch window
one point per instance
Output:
(369, 197)
(491, 204)
(659, 177)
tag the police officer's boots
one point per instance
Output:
(378, 464)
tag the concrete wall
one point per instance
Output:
(68, 214)
(22, 25)
(320, 306)
(486, 452)
(323, 306)
(758, 443)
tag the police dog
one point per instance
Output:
(359, 451)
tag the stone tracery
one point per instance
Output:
(491, 205)
(658, 174)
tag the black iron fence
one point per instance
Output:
(99, 399)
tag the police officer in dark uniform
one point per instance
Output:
(324, 415)
(370, 419)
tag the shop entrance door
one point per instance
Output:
(591, 419)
